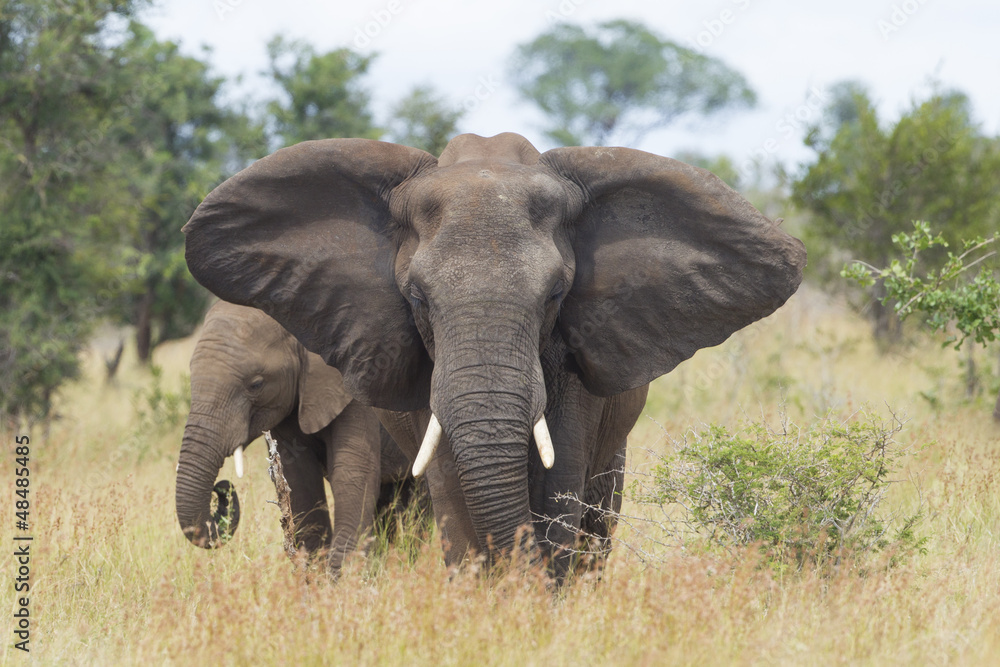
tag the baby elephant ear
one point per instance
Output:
(322, 394)
(306, 236)
(669, 260)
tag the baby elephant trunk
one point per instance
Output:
(199, 465)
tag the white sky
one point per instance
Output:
(782, 47)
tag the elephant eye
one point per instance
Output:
(557, 291)
(256, 384)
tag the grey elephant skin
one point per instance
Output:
(248, 375)
(493, 286)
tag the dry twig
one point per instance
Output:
(284, 496)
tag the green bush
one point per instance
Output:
(800, 494)
(157, 412)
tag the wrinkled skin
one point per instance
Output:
(249, 375)
(493, 286)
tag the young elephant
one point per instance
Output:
(248, 375)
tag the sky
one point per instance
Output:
(791, 52)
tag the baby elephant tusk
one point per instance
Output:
(238, 460)
(544, 443)
(431, 439)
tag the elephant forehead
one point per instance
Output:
(243, 323)
(481, 259)
(478, 190)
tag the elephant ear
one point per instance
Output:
(306, 235)
(322, 394)
(669, 260)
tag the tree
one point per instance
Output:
(56, 191)
(869, 180)
(176, 141)
(109, 140)
(322, 95)
(423, 120)
(620, 81)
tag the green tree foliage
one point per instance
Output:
(108, 141)
(322, 94)
(620, 81)
(870, 179)
(57, 189)
(177, 141)
(949, 296)
(953, 298)
(424, 120)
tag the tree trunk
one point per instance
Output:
(886, 327)
(971, 379)
(996, 409)
(111, 362)
(144, 326)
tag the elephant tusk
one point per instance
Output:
(544, 443)
(238, 460)
(431, 439)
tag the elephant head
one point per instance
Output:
(440, 282)
(247, 375)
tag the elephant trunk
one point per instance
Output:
(200, 461)
(488, 394)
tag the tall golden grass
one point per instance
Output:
(115, 582)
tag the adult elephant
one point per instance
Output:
(520, 296)
(248, 374)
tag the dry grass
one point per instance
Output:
(115, 582)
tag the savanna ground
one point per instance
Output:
(115, 582)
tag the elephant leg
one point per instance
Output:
(603, 494)
(603, 499)
(557, 495)
(353, 471)
(589, 435)
(557, 529)
(303, 469)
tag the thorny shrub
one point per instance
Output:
(802, 494)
